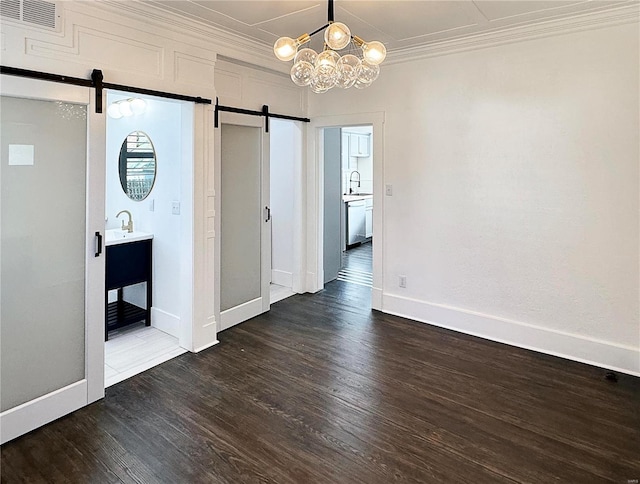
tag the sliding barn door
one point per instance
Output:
(245, 225)
(51, 271)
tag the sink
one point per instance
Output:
(119, 236)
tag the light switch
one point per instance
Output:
(388, 190)
(175, 208)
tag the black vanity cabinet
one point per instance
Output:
(127, 264)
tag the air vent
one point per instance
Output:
(10, 9)
(32, 12)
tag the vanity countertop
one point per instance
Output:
(118, 236)
(353, 198)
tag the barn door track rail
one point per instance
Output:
(97, 82)
(265, 112)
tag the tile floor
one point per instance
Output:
(278, 293)
(135, 349)
(138, 348)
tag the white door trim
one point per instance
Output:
(315, 194)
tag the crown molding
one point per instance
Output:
(587, 21)
(153, 19)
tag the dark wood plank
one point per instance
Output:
(321, 389)
(359, 257)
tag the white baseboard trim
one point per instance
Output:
(204, 347)
(210, 331)
(297, 285)
(282, 278)
(204, 335)
(24, 418)
(376, 298)
(166, 322)
(625, 359)
(312, 282)
(241, 313)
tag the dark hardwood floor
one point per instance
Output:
(359, 257)
(322, 390)
(357, 265)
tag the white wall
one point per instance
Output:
(162, 122)
(286, 154)
(515, 209)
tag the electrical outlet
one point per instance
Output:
(403, 281)
(175, 208)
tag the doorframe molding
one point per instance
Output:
(315, 197)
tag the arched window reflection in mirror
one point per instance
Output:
(137, 165)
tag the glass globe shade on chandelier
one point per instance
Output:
(327, 69)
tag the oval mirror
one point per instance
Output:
(137, 165)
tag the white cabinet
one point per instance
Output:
(359, 145)
(368, 218)
(348, 162)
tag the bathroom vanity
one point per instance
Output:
(128, 262)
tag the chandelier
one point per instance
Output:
(327, 69)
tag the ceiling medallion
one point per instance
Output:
(327, 69)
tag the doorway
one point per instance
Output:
(348, 205)
(285, 192)
(318, 179)
(149, 183)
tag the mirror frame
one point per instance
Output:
(122, 165)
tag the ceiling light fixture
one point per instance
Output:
(126, 107)
(327, 69)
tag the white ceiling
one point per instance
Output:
(399, 24)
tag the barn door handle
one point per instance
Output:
(98, 244)
(268, 214)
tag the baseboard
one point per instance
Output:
(376, 298)
(19, 420)
(240, 313)
(210, 331)
(625, 359)
(204, 347)
(166, 322)
(312, 282)
(282, 278)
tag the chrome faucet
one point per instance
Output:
(351, 180)
(129, 226)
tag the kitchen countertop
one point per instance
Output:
(353, 198)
